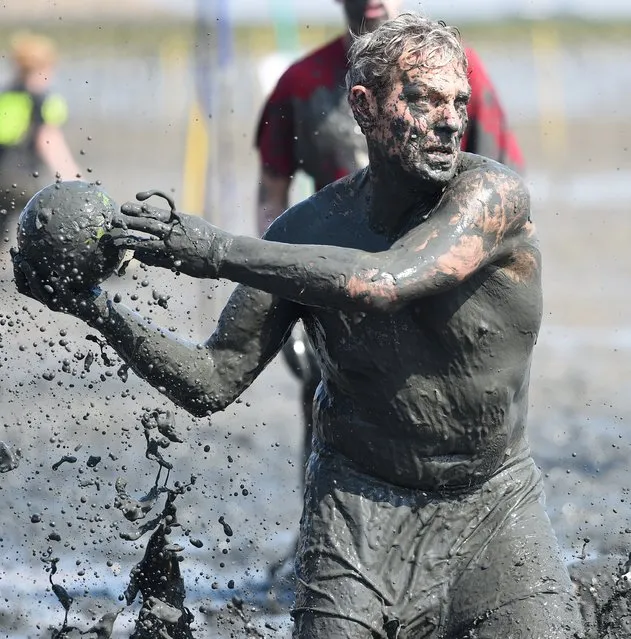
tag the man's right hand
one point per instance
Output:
(187, 243)
(53, 293)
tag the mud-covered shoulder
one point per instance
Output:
(312, 219)
(502, 192)
(499, 200)
(473, 161)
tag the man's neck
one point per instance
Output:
(398, 197)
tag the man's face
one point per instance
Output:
(420, 122)
(366, 15)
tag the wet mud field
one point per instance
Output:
(110, 472)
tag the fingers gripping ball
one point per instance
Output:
(65, 233)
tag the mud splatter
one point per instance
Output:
(156, 577)
(236, 610)
(66, 459)
(604, 593)
(9, 459)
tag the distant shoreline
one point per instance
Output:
(128, 36)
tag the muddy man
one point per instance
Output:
(418, 281)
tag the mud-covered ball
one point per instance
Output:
(65, 233)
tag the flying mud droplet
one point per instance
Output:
(158, 578)
(93, 461)
(134, 509)
(227, 529)
(66, 459)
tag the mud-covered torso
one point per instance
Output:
(434, 394)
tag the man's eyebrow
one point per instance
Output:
(407, 86)
(413, 82)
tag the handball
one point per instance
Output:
(65, 233)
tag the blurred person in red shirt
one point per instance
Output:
(306, 124)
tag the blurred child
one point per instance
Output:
(33, 149)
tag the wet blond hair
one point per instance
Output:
(374, 56)
(32, 51)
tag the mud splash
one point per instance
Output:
(156, 577)
(604, 593)
(9, 458)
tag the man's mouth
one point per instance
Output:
(439, 150)
(374, 11)
(440, 155)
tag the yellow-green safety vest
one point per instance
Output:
(16, 114)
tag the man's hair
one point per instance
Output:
(429, 44)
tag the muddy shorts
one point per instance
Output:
(381, 561)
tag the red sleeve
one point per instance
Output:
(488, 133)
(275, 131)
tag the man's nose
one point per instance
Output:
(449, 119)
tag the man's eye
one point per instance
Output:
(413, 96)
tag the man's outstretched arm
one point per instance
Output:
(206, 377)
(202, 378)
(483, 216)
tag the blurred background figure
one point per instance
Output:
(33, 149)
(307, 125)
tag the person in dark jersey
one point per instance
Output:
(33, 148)
(307, 125)
(418, 279)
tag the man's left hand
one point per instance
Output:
(185, 243)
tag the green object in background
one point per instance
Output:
(16, 108)
(54, 110)
(285, 25)
(16, 115)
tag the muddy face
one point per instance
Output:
(419, 124)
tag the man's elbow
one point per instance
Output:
(198, 409)
(379, 293)
(197, 398)
(391, 297)
(200, 405)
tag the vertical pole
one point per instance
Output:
(547, 52)
(200, 141)
(195, 189)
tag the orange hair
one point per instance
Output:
(32, 51)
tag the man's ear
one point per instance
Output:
(364, 106)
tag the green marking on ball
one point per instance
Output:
(98, 234)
